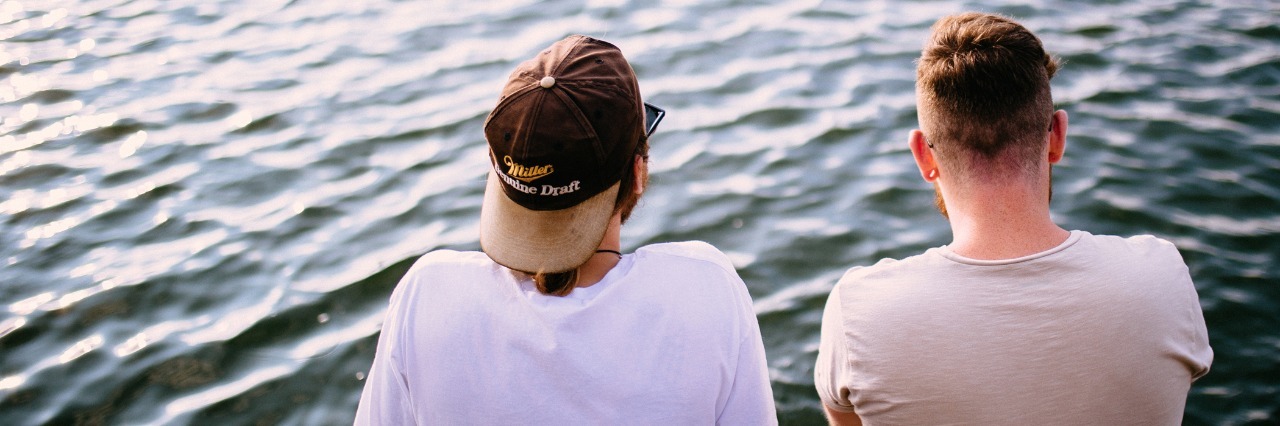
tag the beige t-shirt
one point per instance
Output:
(1099, 330)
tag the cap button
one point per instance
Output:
(547, 82)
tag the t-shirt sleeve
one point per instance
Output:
(831, 370)
(385, 399)
(750, 400)
(1199, 354)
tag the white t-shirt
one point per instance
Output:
(1099, 330)
(668, 337)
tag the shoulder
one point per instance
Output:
(450, 262)
(692, 252)
(892, 282)
(1139, 243)
(888, 267)
(1149, 265)
(437, 269)
(1138, 246)
(693, 271)
(451, 258)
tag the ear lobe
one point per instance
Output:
(923, 155)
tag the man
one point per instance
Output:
(1017, 321)
(552, 323)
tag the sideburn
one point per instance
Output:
(938, 201)
(1050, 183)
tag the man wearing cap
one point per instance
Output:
(552, 323)
(1017, 321)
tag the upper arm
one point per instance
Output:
(831, 368)
(385, 398)
(1199, 352)
(750, 394)
(837, 417)
(750, 400)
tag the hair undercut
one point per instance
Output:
(563, 283)
(982, 83)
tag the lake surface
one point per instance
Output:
(204, 205)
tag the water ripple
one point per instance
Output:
(206, 204)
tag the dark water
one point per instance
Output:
(205, 204)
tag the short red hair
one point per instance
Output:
(982, 86)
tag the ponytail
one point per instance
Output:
(556, 284)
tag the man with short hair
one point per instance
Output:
(1017, 321)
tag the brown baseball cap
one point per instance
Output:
(564, 130)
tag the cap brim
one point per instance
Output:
(542, 241)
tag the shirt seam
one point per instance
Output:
(1071, 241)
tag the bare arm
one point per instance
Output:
(841, 418)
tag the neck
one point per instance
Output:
(601, 263)
(1002, 222)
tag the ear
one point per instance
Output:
(640, 170)
(1057, 136)
(924, 156)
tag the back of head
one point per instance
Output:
(982, 87)
(563, 138)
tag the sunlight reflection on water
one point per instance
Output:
(207, 203)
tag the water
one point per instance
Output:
(205, 204)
